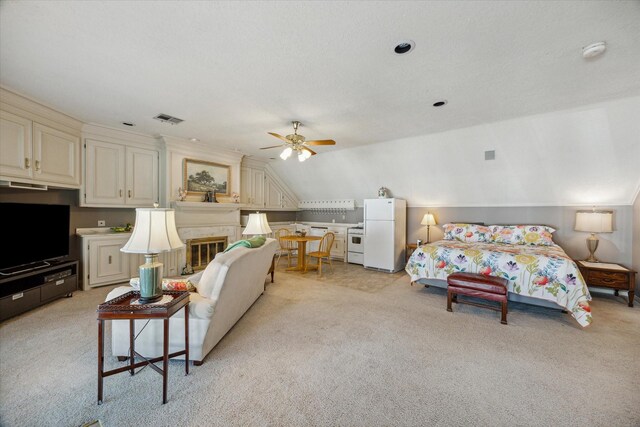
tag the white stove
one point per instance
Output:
(355, 245)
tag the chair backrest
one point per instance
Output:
(284, 244)
(327, 242)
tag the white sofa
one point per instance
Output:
(226, 289)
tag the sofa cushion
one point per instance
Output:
(211, 276)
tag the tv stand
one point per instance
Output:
(23, 291)
(24, 268)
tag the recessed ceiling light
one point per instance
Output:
(404, 46)
(593, 50)
(194, 140)
(440, 103)
(128, 124)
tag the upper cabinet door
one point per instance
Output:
(257, 180)
(15, 146)
(142, 177)
(105, 173)
(245, 186)
(273, 194)
(56, 156)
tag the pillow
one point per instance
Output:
(208, 278)
(466, 232)
(533, 235)
(167, 284)
(254, 242)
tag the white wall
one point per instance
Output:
(584, 156)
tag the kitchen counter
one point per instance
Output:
(99, 231)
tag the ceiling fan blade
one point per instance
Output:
(273, 146)
(321, 142)
(313, 153)
(279, 137)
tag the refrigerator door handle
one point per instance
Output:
(365, 218)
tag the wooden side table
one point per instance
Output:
(609, 275)
(125, 307)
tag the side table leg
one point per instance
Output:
(186, 339)
(131, 345)
(165, 360)
(100, 358)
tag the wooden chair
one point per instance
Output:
(324, 251)
(286, 246)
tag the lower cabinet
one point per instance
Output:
(30, 289)
(338, 250)
(104, 264)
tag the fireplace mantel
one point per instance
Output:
(228, 207)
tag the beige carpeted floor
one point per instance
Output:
(355, 348)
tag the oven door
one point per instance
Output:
(356, 243)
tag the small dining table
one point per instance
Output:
(302, 248)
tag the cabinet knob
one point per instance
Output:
(27, 163)
(38, 165)
(129, 193)
(120, 193)
(109, 259)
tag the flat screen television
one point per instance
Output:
(33, 234)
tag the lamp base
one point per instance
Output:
(150, 279)
(592, 245)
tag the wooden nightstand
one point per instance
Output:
(409, 250)
(609, 275)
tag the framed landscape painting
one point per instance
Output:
(201, 176)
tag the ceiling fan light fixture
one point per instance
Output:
(286, 153)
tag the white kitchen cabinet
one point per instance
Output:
(252, 186)
(119, 175)
(276, 196)
(338, 250)
(102, 262)
(37, 153)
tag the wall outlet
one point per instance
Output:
(101, 223)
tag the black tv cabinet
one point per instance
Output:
(23, 291)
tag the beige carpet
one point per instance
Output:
(354, 348)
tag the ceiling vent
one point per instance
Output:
(165, 118)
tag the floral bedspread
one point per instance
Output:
(544, 272)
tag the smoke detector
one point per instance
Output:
(593, 50)
(165, 118)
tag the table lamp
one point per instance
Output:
(428, 220)
(594, 222)
(154, 232)
(257, 224)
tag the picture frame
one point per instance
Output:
(200, 177)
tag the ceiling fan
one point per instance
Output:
(298, 143)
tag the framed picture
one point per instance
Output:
(201, 176)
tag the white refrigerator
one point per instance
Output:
(385, 223)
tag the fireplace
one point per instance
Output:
(202, 250)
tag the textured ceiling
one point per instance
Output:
(236, 70)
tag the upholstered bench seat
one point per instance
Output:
(479, 286)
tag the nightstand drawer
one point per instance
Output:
(609, 279)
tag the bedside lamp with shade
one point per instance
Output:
(154, 232)
(257, 225)
(594, 222)
(428, 220)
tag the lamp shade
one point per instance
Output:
(428, 219)
(154, 232)
(594, 221)
(257, 224)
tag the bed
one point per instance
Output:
(536, 268)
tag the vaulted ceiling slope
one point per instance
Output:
(236, 70)
(584, 156)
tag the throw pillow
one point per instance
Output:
(167, 284)
(257, 241)
(469, 233)
(254, 242)
(534, 235)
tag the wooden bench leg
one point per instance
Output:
(503, 320)
(449, 299)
